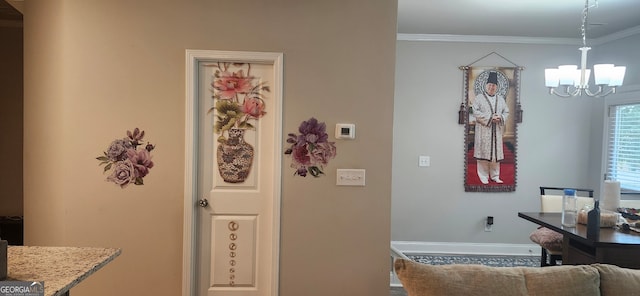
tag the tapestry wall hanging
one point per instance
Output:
(490, 112)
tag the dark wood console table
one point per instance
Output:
(613, 247)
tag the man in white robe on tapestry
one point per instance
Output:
(491, 112)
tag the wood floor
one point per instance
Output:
(397, 291)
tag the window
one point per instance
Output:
(623, 148)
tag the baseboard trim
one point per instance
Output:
(417, 247)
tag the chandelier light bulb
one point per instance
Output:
(567, 74)
(603, 73)
(552, 77)
(617, 76)
(578, 81)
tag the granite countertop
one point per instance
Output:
(60, 268)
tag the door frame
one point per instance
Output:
(189, 252)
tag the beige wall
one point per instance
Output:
(11, 121)
(94, 69)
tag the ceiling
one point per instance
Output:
(524, 18)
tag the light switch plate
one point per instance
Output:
(424, 161)
(350, 177)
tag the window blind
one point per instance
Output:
(623, 152)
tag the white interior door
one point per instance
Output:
(232, 243)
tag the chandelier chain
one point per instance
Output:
(583, 28)
(585, 14)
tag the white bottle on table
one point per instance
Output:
(569, 208)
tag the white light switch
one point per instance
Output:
(350, 177)
(424, 161)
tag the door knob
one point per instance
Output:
(203, 202)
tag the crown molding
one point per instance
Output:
(515, 39)
(486, 39)
(616, 36)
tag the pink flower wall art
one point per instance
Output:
(310, 150)
(124, 162)
(239, 102)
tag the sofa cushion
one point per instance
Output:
(420, 279)
(615, 280)
(562, 280)
(470, 280)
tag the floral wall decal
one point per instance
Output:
(310, 150)
(238, 104)
(125, 162)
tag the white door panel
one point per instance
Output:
(234, 246)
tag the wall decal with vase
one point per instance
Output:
(238, 104)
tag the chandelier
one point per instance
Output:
(574, 81)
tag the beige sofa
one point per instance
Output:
(477, 280)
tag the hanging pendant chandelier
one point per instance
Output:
(574, 81)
